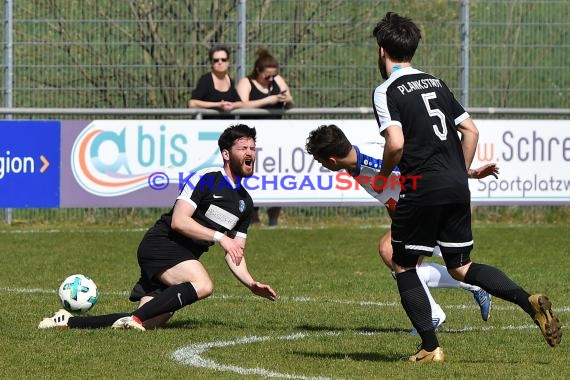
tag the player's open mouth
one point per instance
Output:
(248, 162)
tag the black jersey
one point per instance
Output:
(206, 91)
(220, 205)
(256, 94)
(428, 113)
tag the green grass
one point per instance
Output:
(338, 315)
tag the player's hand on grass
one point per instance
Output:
(263, 290)
(484, 171)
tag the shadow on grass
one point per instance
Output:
(354, 356)
(362, 330)
(193, 324)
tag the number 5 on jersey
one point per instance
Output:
(436, 112)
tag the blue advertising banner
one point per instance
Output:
(29, 163)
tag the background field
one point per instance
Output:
(338, 317)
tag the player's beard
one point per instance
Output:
(239, 167)
(382, 67)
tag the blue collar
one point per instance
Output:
(358, 162)
(395, 68)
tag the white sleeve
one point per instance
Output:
(381, 110)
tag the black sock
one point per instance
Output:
(172, 299)
(94, 322)
(498, 284)
(417, 307)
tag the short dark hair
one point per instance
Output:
(233, 133)
(217, 48)
(328, 141)
(398, 35)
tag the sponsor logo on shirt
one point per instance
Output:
(222, 217)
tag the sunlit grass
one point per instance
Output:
(338, 316)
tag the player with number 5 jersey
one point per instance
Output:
(413, 100)
(421, 122)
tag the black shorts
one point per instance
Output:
(157, 253)
(416, 230)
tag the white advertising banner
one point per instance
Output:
(123, 160)
(534, 161)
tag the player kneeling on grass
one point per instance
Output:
(211, 204)
(331, 148)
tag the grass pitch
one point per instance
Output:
(338, 316)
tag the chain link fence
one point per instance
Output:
(142, 53)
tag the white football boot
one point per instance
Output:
(130, 322)
(57, 321)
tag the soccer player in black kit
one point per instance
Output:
(212, 207)
(420, 120)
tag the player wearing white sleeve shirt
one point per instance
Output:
(332, 149)
(212, 208)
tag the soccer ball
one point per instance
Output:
(78, 293)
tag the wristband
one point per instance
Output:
(218, 236)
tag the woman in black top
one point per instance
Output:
(216, 90)
(265, 88)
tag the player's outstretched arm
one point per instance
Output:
(484, 171)
(242, 274)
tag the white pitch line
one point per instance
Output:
(80, 230)
(192, 355)
(9, 231)
(299, 299)
(487, 328)
(50, 291)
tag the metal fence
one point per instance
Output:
(509, 54)
(142, 53)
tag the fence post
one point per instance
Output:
(241, 39)
(464, 64)
(8, 74)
